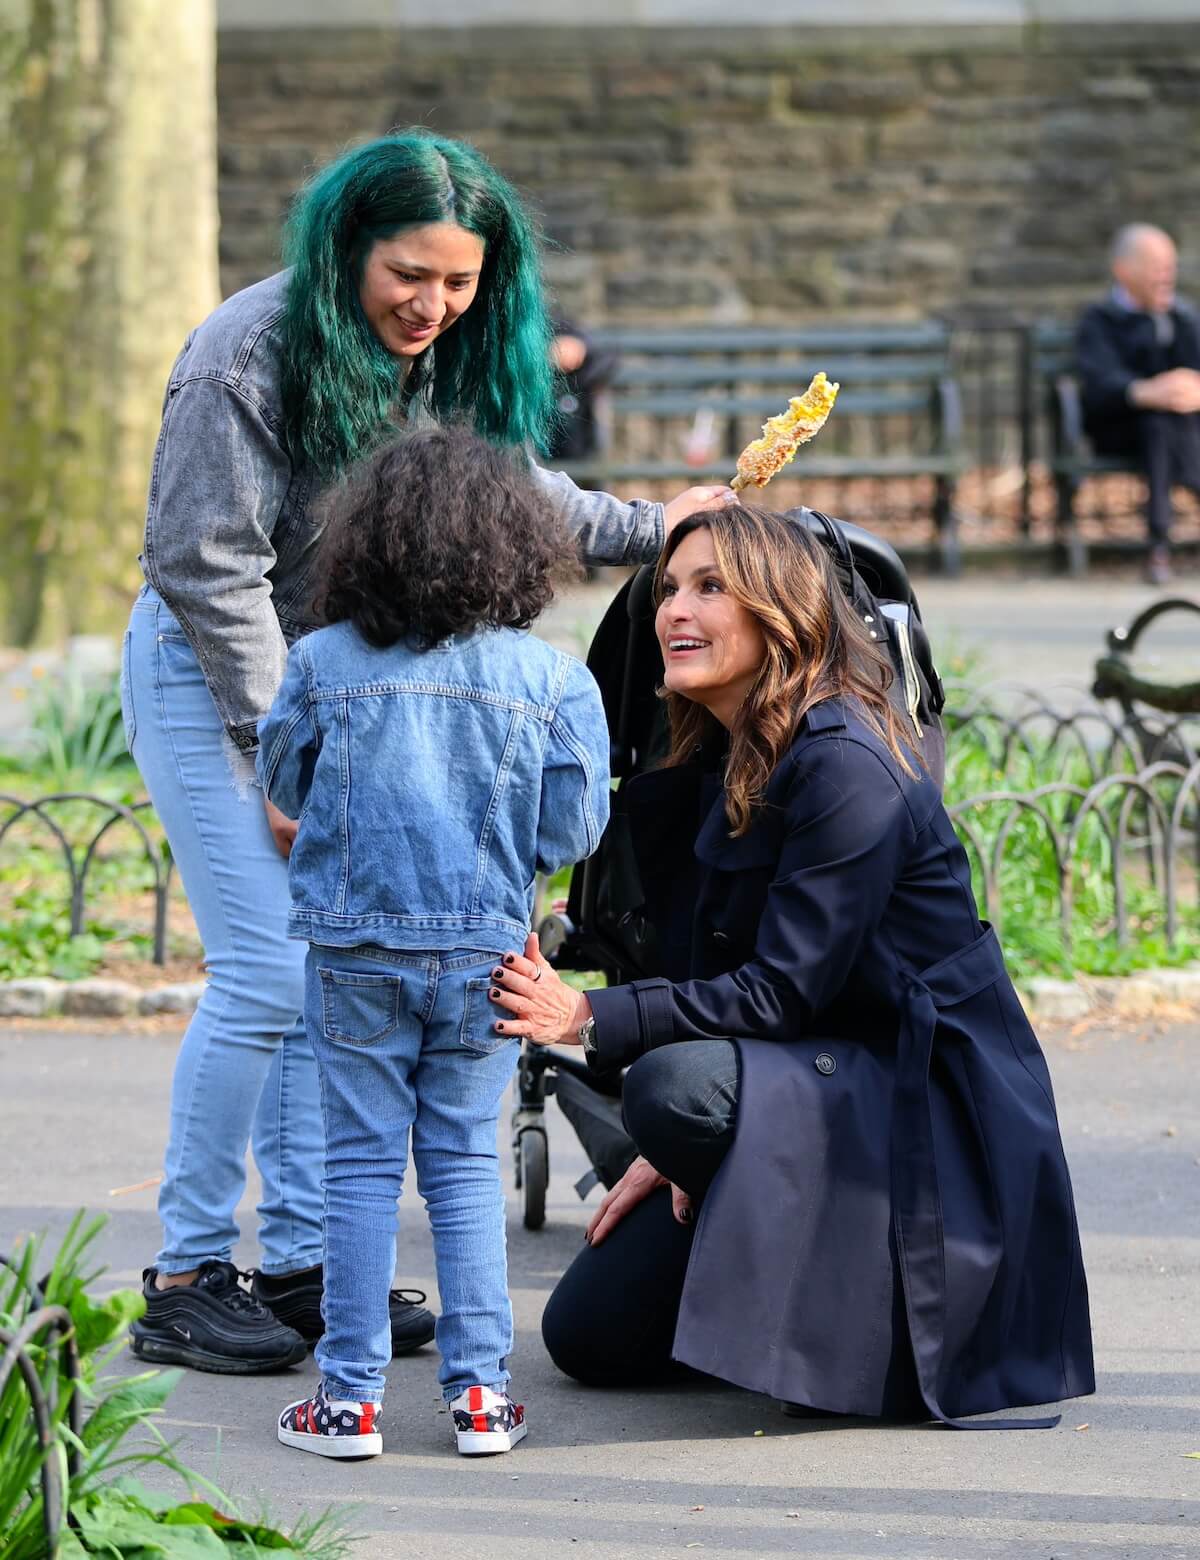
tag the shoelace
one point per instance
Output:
(239, 1299)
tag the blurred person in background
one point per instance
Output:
(1138, 354)
(586, 372)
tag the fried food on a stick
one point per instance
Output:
(783, 435)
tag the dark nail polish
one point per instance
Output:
(685, 1216)
(499, 1028)
(496, 973)
(508, 958)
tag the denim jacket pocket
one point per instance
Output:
(478, 1031)
(358, 1009)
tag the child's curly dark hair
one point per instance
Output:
(436, 534)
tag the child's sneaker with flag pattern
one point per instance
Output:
(331, 1428)
(486, 1421)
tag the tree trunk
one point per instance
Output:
(108, 257)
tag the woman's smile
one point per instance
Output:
(415, 329)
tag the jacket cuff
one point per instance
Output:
(629, 1020)
(650, 532)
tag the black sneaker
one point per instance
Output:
(213, 1324)
(295, 1300)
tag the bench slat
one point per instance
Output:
(826, 466)
(863, 338)
(1096, 465)
(780, 371)
(867, 403)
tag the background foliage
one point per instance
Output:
(108, 257)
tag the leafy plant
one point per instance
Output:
(79, 732)
(92, 1418)
(35, 940)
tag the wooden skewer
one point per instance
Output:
(138, 1186)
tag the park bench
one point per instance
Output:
(1053, 386)
(898, 414)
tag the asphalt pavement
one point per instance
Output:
(703, 1469)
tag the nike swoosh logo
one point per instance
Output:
(184, 1332)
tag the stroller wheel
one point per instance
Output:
(533, 1174)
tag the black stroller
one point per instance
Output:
(604, 928)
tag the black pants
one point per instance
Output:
(611, 1319)
(1167, 444)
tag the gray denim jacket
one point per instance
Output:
(231, 534)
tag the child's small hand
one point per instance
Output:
(283, 829)
(545, 1009)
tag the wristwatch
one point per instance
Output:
(587, 1038)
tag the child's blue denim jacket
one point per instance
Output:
(431, 785)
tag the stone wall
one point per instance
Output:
(707, 174)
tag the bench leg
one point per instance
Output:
(946, 521)
(1074, 548)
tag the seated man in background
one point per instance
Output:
(1138, 357)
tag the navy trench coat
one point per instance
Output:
(893, 1231)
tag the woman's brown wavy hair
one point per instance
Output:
(817, 649)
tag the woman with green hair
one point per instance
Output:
(413, 292)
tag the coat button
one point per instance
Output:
(825, 1064)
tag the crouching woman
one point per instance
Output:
(852, 1192)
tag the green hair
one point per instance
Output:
(491, 369)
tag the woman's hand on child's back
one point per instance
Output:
(543, 1008)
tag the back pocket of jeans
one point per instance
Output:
(358, 1009)
(480, 1015)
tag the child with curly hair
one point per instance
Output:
(437, 756)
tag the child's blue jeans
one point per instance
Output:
(405, 1043)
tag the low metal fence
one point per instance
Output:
(79, 849)
(1139, 827)
(40, 1329)
(1055, 773)
(1117, 799)
(1012, 718)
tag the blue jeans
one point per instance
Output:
(404, 1043)
(245, 1070)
